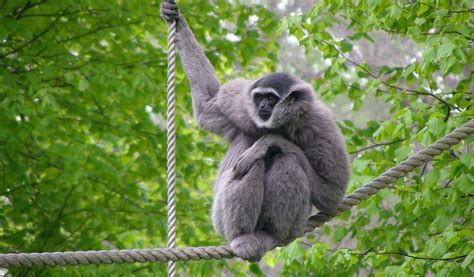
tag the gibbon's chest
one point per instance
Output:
(303, 137)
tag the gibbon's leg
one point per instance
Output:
(217, 214)
(237, 209)
(286, 202)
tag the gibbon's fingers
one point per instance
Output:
(168, 5)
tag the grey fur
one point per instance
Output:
(273, 170)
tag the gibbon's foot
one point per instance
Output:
(247, 247)
(266, 241)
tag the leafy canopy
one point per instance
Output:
(82, 143)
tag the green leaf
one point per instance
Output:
(255, 268)
(436, 126)
(468, 261)
(402, 152)
(420, 21)
(445, 50)
(373, 208)
(340, 233)
(464, 184)
(336, 83)
(395, 12)
(422, 9)
(467, 160)
(439, 249)
(83, 84)
(295, 251)
(442, 222)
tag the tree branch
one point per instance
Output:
(100, 28)
(411, 256)
(57, 220)
(368, 72)
(93, 179)
(50, 14)
(435, 33)
(35, 38)
(376, 145)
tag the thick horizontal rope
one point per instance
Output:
(115, 256)
(223, 252)
(395, 173)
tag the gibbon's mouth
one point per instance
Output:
(264, 115)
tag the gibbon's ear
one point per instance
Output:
(299, 91)
(293, 96)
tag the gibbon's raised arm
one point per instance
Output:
(202, 78)
(201, 75)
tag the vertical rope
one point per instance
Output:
(171, 143)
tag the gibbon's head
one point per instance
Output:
(278, 99)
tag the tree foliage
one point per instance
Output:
(82, 143)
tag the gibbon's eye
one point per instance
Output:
(259, 97)
(272, 98)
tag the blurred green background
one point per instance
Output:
(83, 144)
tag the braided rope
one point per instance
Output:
(395, 173)
(223, 252)
(115, 256)
(171, 143)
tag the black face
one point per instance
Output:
(265, 102)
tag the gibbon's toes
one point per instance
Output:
(247, 247)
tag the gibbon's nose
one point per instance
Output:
(264, 108)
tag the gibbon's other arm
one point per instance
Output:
(203, 82)
(266, 144)
(330, 161)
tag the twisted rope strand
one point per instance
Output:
(171, 143)
(115, 256)
(395, 173)
(223, 252)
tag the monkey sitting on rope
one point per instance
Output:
(285, 150)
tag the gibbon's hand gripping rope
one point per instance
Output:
(223, 252)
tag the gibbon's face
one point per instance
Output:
(276, 100)
(268, 92)
(265, 100)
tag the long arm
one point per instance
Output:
(332, 170)
(330, 161)
(203, 82)
(201, 75)
(327, 155)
